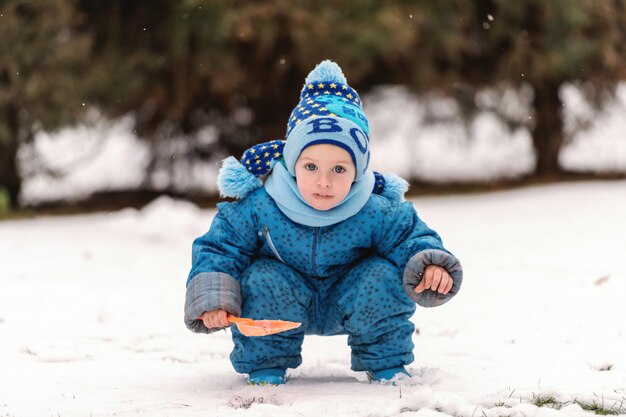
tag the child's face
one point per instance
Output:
(324, 174)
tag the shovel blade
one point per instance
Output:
(249, 327)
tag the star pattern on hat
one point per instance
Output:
(379, 183)
(260, 159)
(310, 107)
(321, 88)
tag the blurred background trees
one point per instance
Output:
(178, 66)
(537, 44)
(42, 60)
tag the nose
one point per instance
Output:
(323, 181)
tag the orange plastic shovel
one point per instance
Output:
(249, 327)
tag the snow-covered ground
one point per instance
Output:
(91, 318)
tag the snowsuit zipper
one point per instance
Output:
(314, 251)
(266, 233)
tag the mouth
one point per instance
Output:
(322, 196)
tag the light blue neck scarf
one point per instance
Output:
(282, 187)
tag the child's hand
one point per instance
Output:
(215, 319)
(435, 278)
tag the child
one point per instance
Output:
(324, 241)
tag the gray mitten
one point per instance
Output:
(414, 272)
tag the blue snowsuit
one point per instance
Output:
(355, 277)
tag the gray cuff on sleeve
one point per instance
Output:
(415, 269)
(210, 291)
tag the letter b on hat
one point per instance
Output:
(324, 125)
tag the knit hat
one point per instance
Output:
(329, 112)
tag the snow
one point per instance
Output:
(605, 139)
(91, 317)
(443, 151)
(428, 139)
(102, 155)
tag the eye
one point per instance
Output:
(310, 167)
(339, 169)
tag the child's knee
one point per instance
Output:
(272, 285)
(376, 275)
(371, 295)
(263, 272)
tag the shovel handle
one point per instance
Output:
(238, 320)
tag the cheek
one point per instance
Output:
(302, 184)
(345, 187)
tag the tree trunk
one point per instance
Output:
(9, 175)
(547, 132)
(9, 178)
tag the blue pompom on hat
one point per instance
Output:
(329, 112)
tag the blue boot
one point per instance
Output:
(389, 375)
(269, 376)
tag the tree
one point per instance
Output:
(189, 63)
(536, 43)
(178, 66)
(42, 60)
(236, 64)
